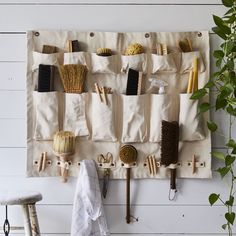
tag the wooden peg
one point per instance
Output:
(40, 163)
(98, 91)
(194, 164)
(149, 165)
(154, 164)
(104, 97)
(44, 161)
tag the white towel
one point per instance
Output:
(88, 218)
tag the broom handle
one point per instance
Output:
(172, 178)
(128, 196)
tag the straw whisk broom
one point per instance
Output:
(64, 147)
(73, 77)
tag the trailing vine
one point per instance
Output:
(223, 83)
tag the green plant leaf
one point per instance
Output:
(203, 107)
(231, 144)
(229, 160)
(209, 84)
(218, 21)
(221, 26)
(223, 171)
(220, 103)
(219, 32)
(229, 11)
(229, 47)
(230, 217)
(230, 64)
(224, 226)
(212, 126)
(213, 198)
(228, 3)
(218, 54)
(234, 151)
(218, 155)
(231, 110)
(219, 62)
(199, 94)
(230, 202)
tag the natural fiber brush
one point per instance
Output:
(64, 142)
(128, 154)
(134, 49)
(64, 147)
(170, 150)
(73, 77)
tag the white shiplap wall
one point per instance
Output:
(190, 214)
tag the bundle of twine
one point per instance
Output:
(73, 77)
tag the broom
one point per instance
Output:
(73, 77)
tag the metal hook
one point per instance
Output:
(136, 219)
(174, 191)
(6, 226)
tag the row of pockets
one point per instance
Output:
(140, 120)
(119, 63)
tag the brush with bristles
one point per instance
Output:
(73, 77)
(128, 155)
(64, 147)
(170, 149)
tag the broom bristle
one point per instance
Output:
(64, 142)
(73, 77)
(169, 142)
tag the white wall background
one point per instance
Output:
(191, 213)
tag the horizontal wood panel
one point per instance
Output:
(107, 17)
(152, 219)
(13, 74)
(143, 192)
(210, 2)
(13, 104)
(13, 47)
(13, 133)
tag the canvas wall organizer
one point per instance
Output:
(103, 128)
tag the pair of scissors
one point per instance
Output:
(105, 159)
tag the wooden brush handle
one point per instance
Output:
(128, 196)
(172, 179)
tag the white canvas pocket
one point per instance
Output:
(46, 119)
(190, 121)
(104, 64)
(160, 109)
(163, 63)
(75, 118)
(136, 62)
(75, 58)
(187, 59)
(103, 119)
(134, 118)
(43, 58)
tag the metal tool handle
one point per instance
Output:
(128, 196)
(173, 190)
(173, 179)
